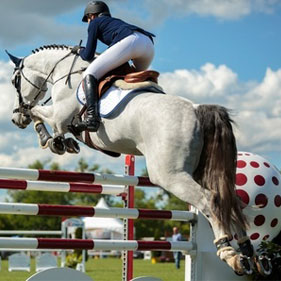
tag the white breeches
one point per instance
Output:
(136, 47)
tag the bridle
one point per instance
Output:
(23, 106)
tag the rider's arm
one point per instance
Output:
(88, 53)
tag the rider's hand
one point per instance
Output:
(75, 50)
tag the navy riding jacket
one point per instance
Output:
(109, 31)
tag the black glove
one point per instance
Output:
(75, 50)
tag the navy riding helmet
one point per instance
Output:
(96, 7)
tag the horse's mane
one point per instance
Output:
(51, 47)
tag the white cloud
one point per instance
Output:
(7, 91)
(266, 94)
(257, 106)
(220, 9)
(258, 132)
(210, 83)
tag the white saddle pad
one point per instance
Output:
(109, 101)
(114, 97)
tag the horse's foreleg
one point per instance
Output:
(42, 133)
(57, 144)
(41, 115)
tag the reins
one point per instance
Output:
(49, 75)
(67, 75)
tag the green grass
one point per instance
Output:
(108, 269)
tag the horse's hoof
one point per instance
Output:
(238, 273)
(57, 145)
(72, 146)
(263, 264)
(247, 264)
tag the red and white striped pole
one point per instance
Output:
(89, 244)
(61, 186)
(87, 211)
(66, 176)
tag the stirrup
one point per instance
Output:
(94, 125)
(90, 124)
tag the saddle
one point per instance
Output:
(128, 74)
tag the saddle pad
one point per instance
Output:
(112, 98)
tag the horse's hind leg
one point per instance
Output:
(185, 188)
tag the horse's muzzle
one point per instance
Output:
(21, 120)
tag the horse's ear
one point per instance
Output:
(14, 59)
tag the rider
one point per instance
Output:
(126, 42)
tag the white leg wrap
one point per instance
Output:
(229, 255)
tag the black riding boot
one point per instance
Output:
(92, 121)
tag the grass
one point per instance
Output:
(108, 269)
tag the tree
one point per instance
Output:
(82, 166)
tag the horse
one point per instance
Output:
(190, 150)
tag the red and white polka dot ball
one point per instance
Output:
(258, 183)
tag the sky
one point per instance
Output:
(226, 52)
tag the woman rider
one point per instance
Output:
(126, 42)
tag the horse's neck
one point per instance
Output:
(45, 61)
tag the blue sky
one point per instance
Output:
(248, 46)
(210, 51)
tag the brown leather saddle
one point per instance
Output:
(129, 75)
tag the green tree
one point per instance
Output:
(82, 166)
(55, 166)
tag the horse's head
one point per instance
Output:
(30, 88)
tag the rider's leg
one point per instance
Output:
(92, 121)
(144, 52)
(136, 47)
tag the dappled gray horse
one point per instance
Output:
(190, 150)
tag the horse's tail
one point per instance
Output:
(216, 170)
